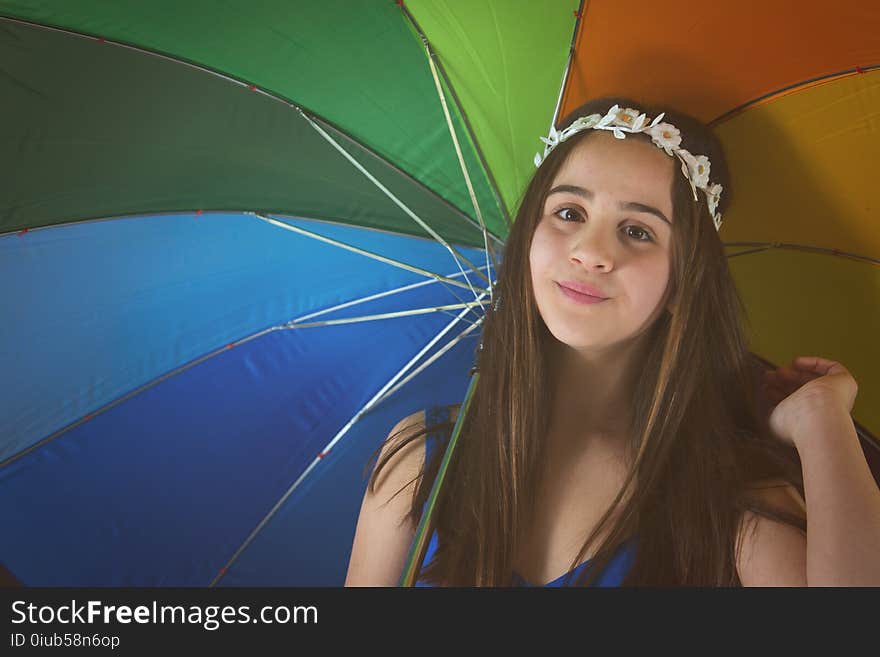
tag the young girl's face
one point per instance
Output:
(605, 224)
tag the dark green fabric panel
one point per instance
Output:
(354, 62)
(93, 130)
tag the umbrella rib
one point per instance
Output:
(376, 256)
(577, 23)
(430, 360)
(395, 233)
(765, 246)
(451, 314)
(201, 359)
(368, 406)
(394, 199)
(461, 162)
(370, 297)
(729, 114)
(391, 315)
(363, 252)
(474, 142)
(401, 172)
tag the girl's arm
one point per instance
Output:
(811, 402)
(843, 504)
(383, 534)
(773, 553)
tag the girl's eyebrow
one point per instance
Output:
(628, 205)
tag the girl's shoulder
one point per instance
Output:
(770, 552)
(780, 494)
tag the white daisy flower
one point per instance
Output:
(666, 136)
(702, 171)
(626, 117)
(699, 168)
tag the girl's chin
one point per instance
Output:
(578, 340)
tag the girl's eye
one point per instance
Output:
(570, 215)
(571, 212)
(639, 230)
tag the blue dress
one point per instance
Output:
(613, 574)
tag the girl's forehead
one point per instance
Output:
(604, 151)
(630, 166)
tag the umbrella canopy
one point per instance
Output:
(241, 242)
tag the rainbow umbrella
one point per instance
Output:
(241, 242)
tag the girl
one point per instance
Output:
(620, 433)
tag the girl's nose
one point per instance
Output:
(592, 248)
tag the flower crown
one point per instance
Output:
(664, 135)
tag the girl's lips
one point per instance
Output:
(578, 297)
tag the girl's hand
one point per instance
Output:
(801, 393)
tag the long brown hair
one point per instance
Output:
(699, 439)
